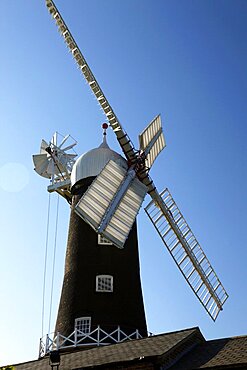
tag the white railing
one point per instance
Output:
(98, 337)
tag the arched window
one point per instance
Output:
(104, 283)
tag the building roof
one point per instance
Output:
(181, 350)
(132, 350)
(216, 354)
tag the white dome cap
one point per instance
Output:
(92, 162)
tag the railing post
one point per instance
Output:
(47, 344)
(41, 348)
(57, 341)
(137, 334)
(98, 335)
(75, 342)
(118, 333)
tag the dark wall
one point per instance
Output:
(84, 260)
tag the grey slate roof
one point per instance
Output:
(140, 350)
(227, 353)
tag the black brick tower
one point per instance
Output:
(82, 299)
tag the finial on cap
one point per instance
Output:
(105, 127)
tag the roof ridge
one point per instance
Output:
(174, 332)
(227, 338)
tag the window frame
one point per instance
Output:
(106, 289)
(84, 321)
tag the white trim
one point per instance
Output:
(104, 283)
(97, 337)
(103, 241)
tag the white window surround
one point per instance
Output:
(103, 241)
(104, 283)
(83, 325)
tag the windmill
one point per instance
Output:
(111, 200)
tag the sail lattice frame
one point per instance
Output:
(187, 253)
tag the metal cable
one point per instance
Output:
(45, 265)
(53, 264)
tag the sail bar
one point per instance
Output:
(152, 141)
(186, 252)
(122, 137)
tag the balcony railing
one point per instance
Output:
(97, 337)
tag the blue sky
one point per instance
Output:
(184, 59)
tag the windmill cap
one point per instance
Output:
(92, 163)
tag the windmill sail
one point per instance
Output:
(125, 213)
(152, 141)
(187, 253)
(122, 136)
(41, 164)
(110, 209)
